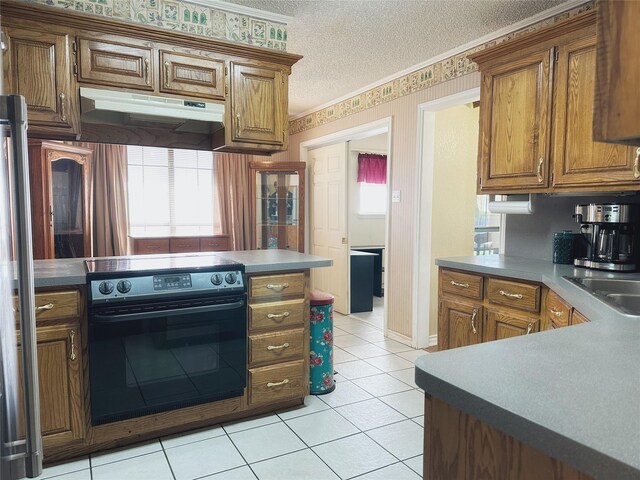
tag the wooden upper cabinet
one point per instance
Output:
(120, 62)
(577, 159)
(258, 112)
(515, 123)
(617, 100)
(37, 65)
(198, 76)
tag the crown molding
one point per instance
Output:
(241, 9)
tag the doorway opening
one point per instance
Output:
(348, 221)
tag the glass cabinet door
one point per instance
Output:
(67, 197)
(277, 209)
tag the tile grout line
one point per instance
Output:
(164, 452)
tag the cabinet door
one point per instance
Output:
(459, 324)
(121, 63)
(617, 103)
(259, 105)
(515, 124)
(192, 75)
(60, 375)
(37, 66)
(577, 159)
(504, 324)
(577, 318)
(558, 312)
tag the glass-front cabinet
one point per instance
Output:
(60, 200)
(277, 209)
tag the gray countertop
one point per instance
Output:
(68, 272)
(572, 393)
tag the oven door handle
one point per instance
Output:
(128, 317)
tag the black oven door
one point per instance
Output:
(161, 356)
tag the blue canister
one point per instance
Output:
(564, 247)
(321, 343)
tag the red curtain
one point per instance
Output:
(372, 168)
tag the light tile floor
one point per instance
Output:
(370, 427)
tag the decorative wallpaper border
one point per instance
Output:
(447, 69)
(187, 17)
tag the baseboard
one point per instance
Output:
(433, 340)
(399, 338)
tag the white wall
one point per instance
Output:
(364, 230)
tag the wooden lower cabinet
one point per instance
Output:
(277, 382)
(499, 325)
(458, 446)
(459, 324)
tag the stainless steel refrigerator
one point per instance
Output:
(20, 453)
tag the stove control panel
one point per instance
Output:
(166, 286)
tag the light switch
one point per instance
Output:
(395, 196)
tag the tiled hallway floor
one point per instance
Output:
(369, 427)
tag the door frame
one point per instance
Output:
(425, 150)
(384, 125)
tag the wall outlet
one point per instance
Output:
(395, 196)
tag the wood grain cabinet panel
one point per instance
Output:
(60, 378)
(515, 124)
(558, 311)
(577, 318)
(198, 76)
(276, 347)
(503, 324)
(577, 159)
(120, 62)
(277, 382)
(277, 314)
(277, 286)
(459, 324)
(461, 284)
(512, 294)
(142, 246)
(183, 245)
(37, 65)
(617, 103)
(54, 305)
(214, 244)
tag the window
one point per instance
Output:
(486, 233)
(170, 192)
(373, 199)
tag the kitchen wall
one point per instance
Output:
(531, 236)
(453, 199)
(364, 230)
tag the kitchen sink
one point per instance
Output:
(621, 294)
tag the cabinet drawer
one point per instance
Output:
(523, 296)
(214, 244)
(462, 284)
(119, 63)
(182, 245)
(151, 245)
(277, 286)
(276, 347)
(55, 305)
(277, 382)
(277, 314)
(558, 311)
(184, 74)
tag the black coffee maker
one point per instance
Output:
(610, 232)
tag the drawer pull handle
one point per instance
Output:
(473, 321)
(461, 285)
(146, 72)
(277, 287)
(278, 317)
(636, 165)
(72, 339)
(277, 384)
(63, 106)
(539, 172)
(48, 306)
(166, 74)
(277, 347)
(557, 313)
(238, 124)
(517, 296)
(529, 328)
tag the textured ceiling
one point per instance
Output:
(349, 44)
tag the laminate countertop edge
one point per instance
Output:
(572, 393)
(71, 272)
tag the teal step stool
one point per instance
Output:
(321, 343)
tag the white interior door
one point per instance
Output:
(328, 212)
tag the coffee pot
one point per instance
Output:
(610, 231)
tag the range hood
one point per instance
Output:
(111, 107)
